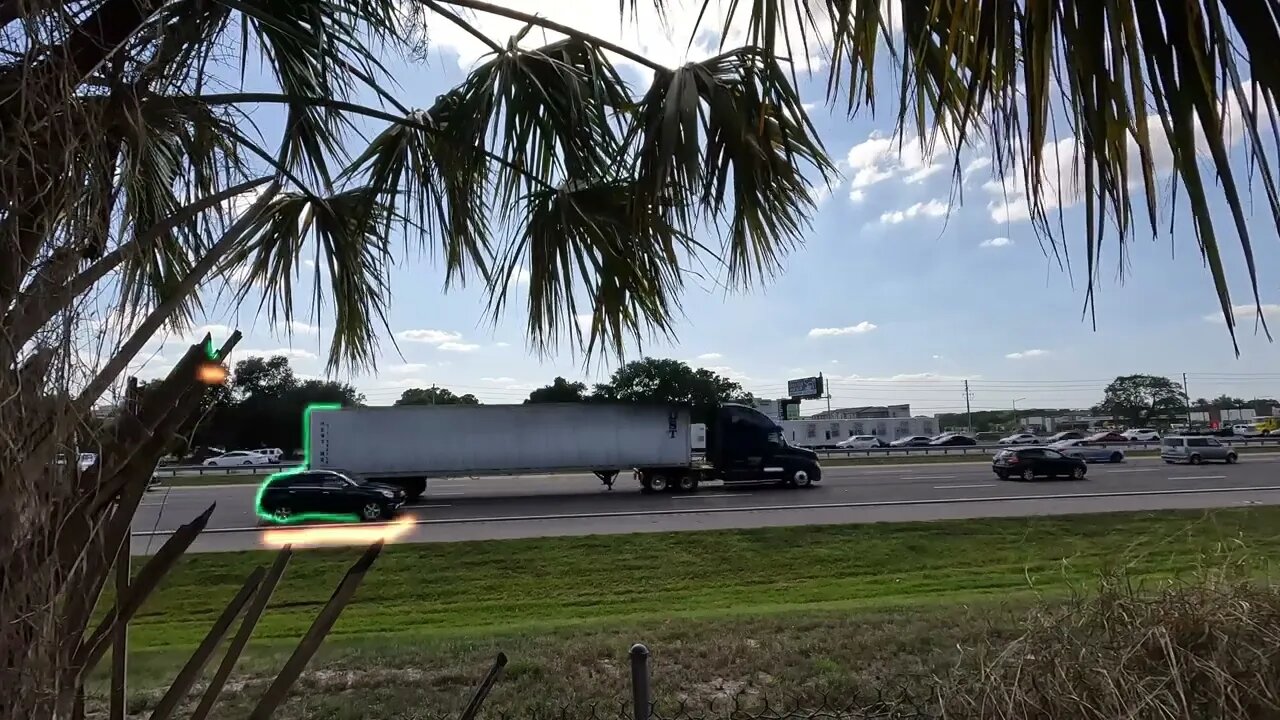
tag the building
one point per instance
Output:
(868, 412)
(825, 433)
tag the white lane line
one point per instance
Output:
(446, 484)
(436, 494)
(761, 508)
(1199, 477)
(715, 496)
(960, 487)
(928, 477)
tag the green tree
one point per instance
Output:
(1226, 402)
(435, 396)
(654, 380)
(560, 390)
(1143, 399)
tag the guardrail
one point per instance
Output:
(954, 450)
(960, 450)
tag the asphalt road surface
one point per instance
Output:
(551, 505)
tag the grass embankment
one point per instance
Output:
(799, 611)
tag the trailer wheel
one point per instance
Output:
(800, 478)
(657, 483)
(687, 483)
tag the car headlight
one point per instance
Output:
(388, 494)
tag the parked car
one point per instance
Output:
(952, 440)
(913, 441)
(1019, 439)
(1029, 463)
(275, 454)
(327, 492)
(1088, 452)
(1142, 435)
(238, 457)
(1246, 430)
(1107, 436)
(860, 442)
(1195, 450)
(1064, 435)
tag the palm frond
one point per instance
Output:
(599, 245)
(353, 258)
(729, 138)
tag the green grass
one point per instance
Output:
(465, 589)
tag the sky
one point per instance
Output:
(906, 286)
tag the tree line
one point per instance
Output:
(1133, 400)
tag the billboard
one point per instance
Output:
(805, 388)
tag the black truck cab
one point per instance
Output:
(743, 446)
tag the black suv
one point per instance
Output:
(328, 493)
(1029, 463)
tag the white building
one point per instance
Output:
(812, 432)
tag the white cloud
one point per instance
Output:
(665, 40)
(217, 332)
(937, 357)
(584, 322)
(857, 196)
(730, 373)
(498, 380)
(710, 356)
(521, 276)
(974, 166)
(502, 344)
(996, 242)
(932, 208)
(291, 353)
(1246, 313)
(820, 192)
(298, 327)
(406, 368)
(859, 329)
(1027, 354)
(881, 157)
(430, 337)
(457, 347)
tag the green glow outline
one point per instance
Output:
(304, 467)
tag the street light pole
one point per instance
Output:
(1015, 412)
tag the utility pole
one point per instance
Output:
(1186, 398)
(968, 411)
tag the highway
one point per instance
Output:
(556, 505)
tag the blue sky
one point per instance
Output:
(900, 292)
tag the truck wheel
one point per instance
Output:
(800, 478)
(687, 483)
(414, 488)
(658, 483)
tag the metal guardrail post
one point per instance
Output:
(641, 700)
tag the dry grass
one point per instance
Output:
(1204, 647)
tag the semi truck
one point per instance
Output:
(407, 445)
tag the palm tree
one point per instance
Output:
(124, 143)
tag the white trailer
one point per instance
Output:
(407, 444)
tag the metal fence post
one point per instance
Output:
(640, 682)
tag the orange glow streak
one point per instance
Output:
(211, 373)
(337, 534)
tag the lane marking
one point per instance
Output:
(446, 484)
(959, 487)
(438, 494)
(760, 508)
(715, 496)
(928, 477)
(1199, 477)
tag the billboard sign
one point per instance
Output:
(805, 388)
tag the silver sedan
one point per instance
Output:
(1089, 453)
